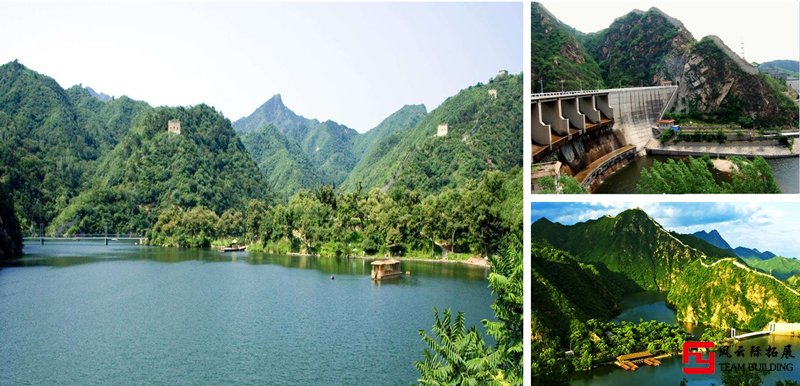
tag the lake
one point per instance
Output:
(785, 170)
(88, 313)
(652, 306)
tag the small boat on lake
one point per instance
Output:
(234, 248)
(385, 269)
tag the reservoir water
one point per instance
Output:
(78, 313)
(785, 170)
(652, 306)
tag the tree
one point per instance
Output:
(460, 356)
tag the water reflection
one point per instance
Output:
(65, 254)
(652, 306)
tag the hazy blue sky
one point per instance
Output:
(353, 63)
(769, 30)
(766, 226)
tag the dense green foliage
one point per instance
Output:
(794, 282)
(568, 299)
(778, 266)
(765, 300)
(598, 342)
(327, 145)
(557, 55)
(151, 170)
(633, 51)
(631, 243)
(483, 134)
(285, 166)
(406, 118)
(694, 176)
(285, 156)
(566, 185)
(45, 152)
(459, 356)
(469, 219)
(10, 233)
(584, 291)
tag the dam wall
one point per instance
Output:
(637, 111)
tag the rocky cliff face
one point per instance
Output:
(716, 84)
(645, 48)
(641, 48)
(559, 55)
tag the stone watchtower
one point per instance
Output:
(174, 126)
(441, 131)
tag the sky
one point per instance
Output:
(349, 62)
(769, 30)
(766, 226)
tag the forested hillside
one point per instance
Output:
(719, 287)
(557, 54)
(51, 139)
(484, 133)
(325, 152)
(285, 166)
(151, 169)
(704, 283)
(631, 243)
(643, 48)
(77, 161)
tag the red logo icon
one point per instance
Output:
(691, 350)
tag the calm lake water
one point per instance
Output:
(652, 306)
(785, 170)
(77, 313)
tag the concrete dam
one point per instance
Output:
(591, 134)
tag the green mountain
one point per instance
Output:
(566, 289)
(631, 243)
(645, 48)
(713, 238)
(46, 151)
(721, 292)
(328, 145)
(557, 55)
(730, 294)
(639, 48)
(745, 253)
(285, 166)
(701, 245)
(405, 118)
(152, 170)
(781, 69)
(107, 120)
(780, 267)
(333, 150)
(483, 133)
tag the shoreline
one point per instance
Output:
(472, 261)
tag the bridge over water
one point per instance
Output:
(106, 238)
(790, 329)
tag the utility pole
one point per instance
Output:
(541, 87)
(562, 85)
